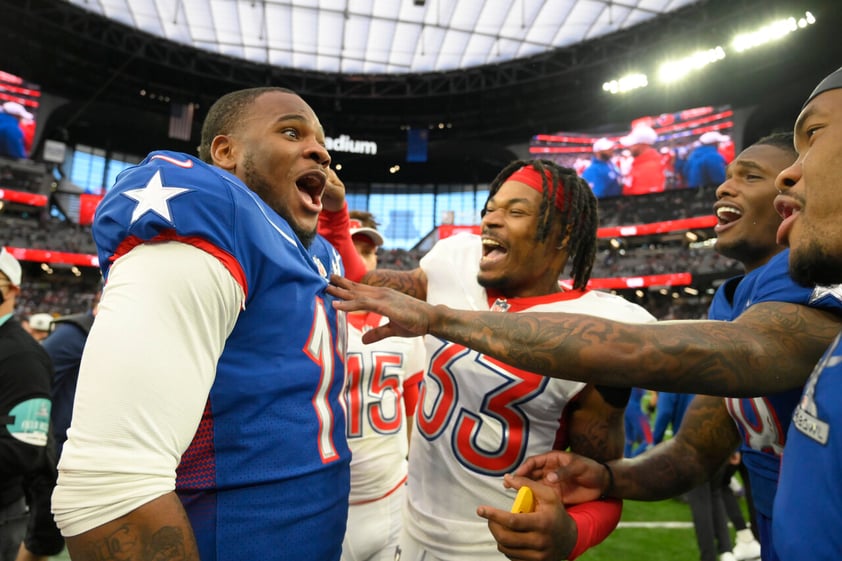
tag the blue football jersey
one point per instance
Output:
(267, 473)
(808, 507)
(763, 421)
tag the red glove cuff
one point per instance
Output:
(595, 520)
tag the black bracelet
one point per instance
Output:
(610, 487)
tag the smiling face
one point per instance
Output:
(277, 150)
(810, 202)
(748, 221)
(513, 262)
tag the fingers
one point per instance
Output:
(545, 492)
(377, 334)
(500, 517)
(348, 293)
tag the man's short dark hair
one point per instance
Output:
(226, 113)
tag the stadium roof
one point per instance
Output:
(380, 36)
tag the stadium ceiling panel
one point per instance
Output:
(377, 37)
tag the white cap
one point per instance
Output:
(640, 134)
(40, 322)
(18, 110)
(10, 267)
(713, 137)
(603, 145)
(372, 234)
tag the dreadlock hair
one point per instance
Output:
(782, 140)
(226, 113)
(578, 214)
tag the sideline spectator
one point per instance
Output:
(25, 375)
(382, 393)
(38, 325)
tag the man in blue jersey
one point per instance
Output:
(602, 175)
(207, 422)
(808, 507)
(769, 347)
(706, 166)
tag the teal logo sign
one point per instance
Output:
(31, 421)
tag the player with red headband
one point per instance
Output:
(478, 418)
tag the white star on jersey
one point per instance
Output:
(834, 290)
(154, 197)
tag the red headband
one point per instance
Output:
(528, 175)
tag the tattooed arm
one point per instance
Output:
(157, 531)
(413, 283)
(706, 439)
(771, 347)
(596, 426)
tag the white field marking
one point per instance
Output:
(668, 525)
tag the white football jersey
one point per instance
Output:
(377, 425)
(477, 418)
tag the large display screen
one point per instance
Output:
(648, 155)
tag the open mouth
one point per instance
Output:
(313, 183)
(728, 214)
(785, 210)
(492, 250)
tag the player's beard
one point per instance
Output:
(257, 183)
(812, 265)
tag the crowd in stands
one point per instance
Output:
(56, 295)
(656, 207)
(48, 232)
(658, 260)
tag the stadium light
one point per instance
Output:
(626, 83)
(774, 31)
(674, 70)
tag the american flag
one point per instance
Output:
(181, 120)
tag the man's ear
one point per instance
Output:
(222, 151)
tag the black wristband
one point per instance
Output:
(610, 487)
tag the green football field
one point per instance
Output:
(657, 531)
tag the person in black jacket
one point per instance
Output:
(25, 377)
(64, 345)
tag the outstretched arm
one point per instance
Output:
(771, 347)
(412, 283)
(706, 439)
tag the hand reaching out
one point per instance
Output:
(408, 316)
(575, 479)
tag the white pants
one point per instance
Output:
(374, 529)
(413, 550)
